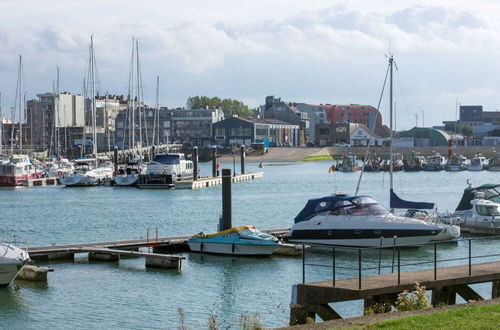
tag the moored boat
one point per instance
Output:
(456, 163)
(478, 163)
(165, 170)
(87, 174)
(12, 260)
(18, 169)
(435, 162)
(494, 163)
(348, 163)
(242, 241)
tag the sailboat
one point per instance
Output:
(128, 174)
(90, 172)
(12, 260)
(358, 220)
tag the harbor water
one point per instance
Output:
(107, 295)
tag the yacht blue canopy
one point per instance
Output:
(398, 203)
(323, 204)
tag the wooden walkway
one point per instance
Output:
(175, 243)
(206, 182)
(313, 298)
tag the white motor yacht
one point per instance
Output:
(18, 169)
(478, 163)
(350, 220)
(87, 174)
(129, 175)
(479, 209)
(12, 260)
(165, 170)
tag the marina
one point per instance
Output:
(130, 211)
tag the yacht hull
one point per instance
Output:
(78, 180)
(126, 180)
(9, 268)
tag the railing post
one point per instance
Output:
(380, 254)
(470, 257)
(435, 261)
(303, 264)
(334, 270)
(359, 268)
(399, 265)
(393, 251)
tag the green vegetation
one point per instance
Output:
(317, 158)
(468, 317)
(229, 106)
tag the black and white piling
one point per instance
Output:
(115, 158)
(195, 163)
(214, 162)
(226, 199)
(242, 159)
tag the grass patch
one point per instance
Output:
(468, 317)
(317, 158)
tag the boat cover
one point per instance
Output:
(468, 195)
(398, 203)
(319, 205)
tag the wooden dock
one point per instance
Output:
(172, 244)
(215, 181)
(310, 299)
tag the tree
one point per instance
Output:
(228, 106)
(466, 131)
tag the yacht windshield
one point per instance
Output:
(487, 210)
(366, 209)
(167, 159)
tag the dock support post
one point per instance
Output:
(443, 296)
(300, 315)
(226, 198)
(161, 262)
(115, 159)
(242, 159)
(195, 163)
(214, 162)
(467, 293)
(495, 290)
(103, 256)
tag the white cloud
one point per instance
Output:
(315, 50)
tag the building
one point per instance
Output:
(316, 115)
(471, 115)
(194, 126)
(329, 134)
(353, 113)
(245, 131)
(491, 117)
(147, 131)
(361, 136)
(425, 137)
(50, 112)
(286, 112)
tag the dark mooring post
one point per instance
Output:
(115, 158)
(214, 162)
(242, 160)
(226, 198)
(153, 152)
(195, 163)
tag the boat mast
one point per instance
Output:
(92, 93)
(84, 136)
(131, 93)
(56, 116)
(156, 126)
(1, 126)
(391, 63)
(21, 105)
(139, 107)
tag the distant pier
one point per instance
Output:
(215, 181)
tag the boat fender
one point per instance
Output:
(60, 173)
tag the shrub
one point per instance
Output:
(410, 301)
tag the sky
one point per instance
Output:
(313, 51)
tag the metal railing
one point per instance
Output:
(396, 263)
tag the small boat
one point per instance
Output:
(478, 163)
(350, 220)
(372, 165)
(414, 163)
(479, 209)
(12, 260)
(435, 162)
(348, 163)
(242, 241)
(456, 163)
(87, 174)
(59, 166)
(18, 169)
(495, 163)
(165, 170)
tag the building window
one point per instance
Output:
(324, 131)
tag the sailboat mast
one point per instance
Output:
(84, 136)
(131, 83)
(56, 116)
(138, 76)
(156, 126)
(21, 105)
(92, 74)
(1, 125)
(391, 62)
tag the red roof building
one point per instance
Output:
(352, 113)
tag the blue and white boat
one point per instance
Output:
(242, 241)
